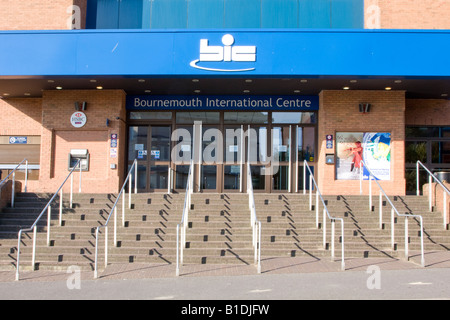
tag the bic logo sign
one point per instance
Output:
(225, 54)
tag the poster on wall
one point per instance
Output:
(374, 148)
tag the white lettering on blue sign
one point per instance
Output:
(226, 53)
(292, 103)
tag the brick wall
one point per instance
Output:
(407, 14)
(39, 14)
(430, 112)
(59, 137)
(339, 112)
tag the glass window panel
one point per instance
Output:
(141, 177)
(181, 177)
(167, 14)
(294, 117)
(281, 178)
(246, 117)
(258, 177)
(280, 143)
(279, 14)
(209, 177)
(257, 140)
(204, 117)
(314, 14)
(137, 137)
(348, 14)
(233, 139)
(160, 144)
(232, 175)
(242, 14)
(153, 115)
(206, 14)
(300, 177)
(415, 151)
(159, 177)
(130, 14)
(107, 14)
(440, 152)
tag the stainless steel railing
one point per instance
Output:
(13, 173)
(326, 213)
(182, 226)
(47, 208)
(394, 212)
(113, 212)
(254, 222)
(430, 190)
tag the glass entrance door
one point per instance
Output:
(150, 145)
(281, 158)
(159, 158)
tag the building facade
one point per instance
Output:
(225, 83)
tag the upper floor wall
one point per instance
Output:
(211, 14)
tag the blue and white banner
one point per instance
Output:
(236, 103)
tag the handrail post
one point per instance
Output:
(324, 227)
(13, 190)
(370, 192)
(129, 190)
(115, 226)
(96, 254)
(123, 208)
(259, 247)
(135, 178)
(26, 176)
(445, 209)
(79, 187)
(392, 229)
(33, 257)
(317, 209)
(381, 210)
(332, 238)
(417, 179)
(49, 219)
(406, 238)
(106, 247)
(60, 206)
(178, 250)
(304, 179)
(342, 246)
(71, 191)
(18, 254)
(430, 194)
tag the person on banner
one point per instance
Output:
(357, 152)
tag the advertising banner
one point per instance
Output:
(374, 148)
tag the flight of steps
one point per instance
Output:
(148, 234)
(219, 229)
(289, 226)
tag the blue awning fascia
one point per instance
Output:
(279, 53)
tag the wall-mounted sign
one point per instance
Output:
(18, 140)
(329, 141)
(225, 103)
(78, 119)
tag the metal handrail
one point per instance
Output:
(13, 173)
(326, 213)
(184, 218)
(430, 190)
(47, 208)
(114, 210)
(254, 222)
(393, 210)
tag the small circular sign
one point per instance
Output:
(78, 119)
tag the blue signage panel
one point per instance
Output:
(241, 103)
(181, 53)
(18, 140)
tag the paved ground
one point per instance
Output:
(281, 279)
